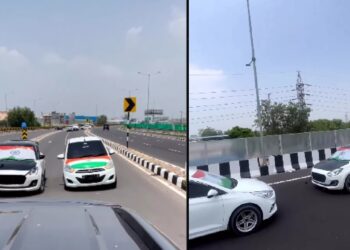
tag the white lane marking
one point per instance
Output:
(147, 144)
(289, 180)
(65, 139)
(165, 183)
(174, 150)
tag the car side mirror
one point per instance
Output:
(60, 156)
(41, 156)
(111, 151)
(212, 193)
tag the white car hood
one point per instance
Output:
(251, 185)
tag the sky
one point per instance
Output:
(310, 36)
(83, 56)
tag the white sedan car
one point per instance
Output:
(88, 162)
(22, 166)
(218, 203)
(333, 173)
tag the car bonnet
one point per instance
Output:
(69, 225)
(330, 165)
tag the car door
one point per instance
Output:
(205, 214)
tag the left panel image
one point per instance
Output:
(93, 125)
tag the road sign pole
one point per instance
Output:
(127, 131)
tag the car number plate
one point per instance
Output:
(91, 176)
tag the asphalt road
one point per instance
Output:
(17, 135)
(137, 190)
(307, 218)
(172, 151)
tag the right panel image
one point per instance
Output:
(269, 129)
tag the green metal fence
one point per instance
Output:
(160, 126)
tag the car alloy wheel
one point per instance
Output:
(245, 220)
(347, 184)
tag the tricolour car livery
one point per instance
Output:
(218, 203)
(333, 173)
(22, 166)
(87, 162)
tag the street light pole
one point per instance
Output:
(255, 77)
(148, 84)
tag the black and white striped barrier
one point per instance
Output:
(158, 170)
(274, 165)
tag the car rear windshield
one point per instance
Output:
(342, 155)
(85, 149)
(14, 152)
(219, 180)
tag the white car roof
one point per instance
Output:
(83, 138)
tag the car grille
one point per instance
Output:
(91, 170)
(318, 177)
(12, 179)
(91, 179)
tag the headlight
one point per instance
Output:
(33, 171)
(69, 169)
(109, 165)
(334, 172)
(263, 194)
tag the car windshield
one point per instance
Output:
(219, 180)
(18, 153)
(85, 149)
(341, 155)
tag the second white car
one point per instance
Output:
(88, 162)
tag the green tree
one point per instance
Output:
(325, 124)
(209, 132)
(102, 119)
(238, 132)
(279, 118)
(18, 115)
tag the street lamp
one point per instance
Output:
(255, 77)
(149, 82)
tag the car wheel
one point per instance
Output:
(245, 220)
(347, 184)
(42, 184)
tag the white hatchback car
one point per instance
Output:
(88, 162)
(218, 203)
(22, 166)
(333, 173)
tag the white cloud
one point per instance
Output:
(205, 79)
(53, 58)
(134, 31)
(177, 25)
(11, 59)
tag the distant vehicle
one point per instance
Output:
(58, 128)
(72, 128)
(88, 162)
(86, 126)
(106, 127)
(333, 173)
(218, 203)
(22, 166)
(33, 224)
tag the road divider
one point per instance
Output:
(167, 171)
(274, 164)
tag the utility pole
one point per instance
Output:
(255, 79)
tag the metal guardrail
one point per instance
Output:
(215, 151)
